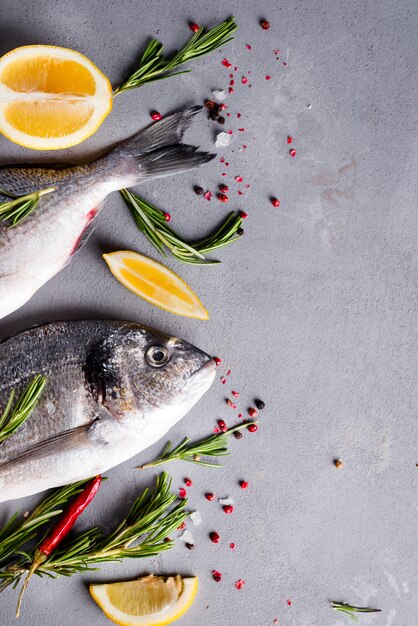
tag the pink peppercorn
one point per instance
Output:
(252, 428)
(243, 215)
(292, 152)
(289, 139)
(228, 508)
(222, 426)
(239, 179)
(194, 27)
(252, 412)
(275, 202)
(209, 496)
(214, 537)
(217, 576)
(226, 63)
(188, 482)
(217, 360)
(156, 116)
(243, 484)
(182, 492)
(223, 188)
(232, 546)
(222, 197)
(239, 584)
(167, 217)
(265, 25)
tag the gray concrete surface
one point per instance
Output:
(314, 310)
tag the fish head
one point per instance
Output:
(151, 380)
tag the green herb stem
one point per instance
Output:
(19, 208)
(215, 445)
(151, 518)
(349, 610)
(154, 66)
(151, 222)
(12, 418)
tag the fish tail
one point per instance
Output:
(157, 150)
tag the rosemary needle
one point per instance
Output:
(12, 419)
(349, 610)
(18, 208)
(152, 223)
(154, 66)
(215, 445)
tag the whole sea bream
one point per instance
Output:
(33, 251)
(113, 389)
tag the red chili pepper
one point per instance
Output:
(61, 530)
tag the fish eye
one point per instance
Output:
(157, 356)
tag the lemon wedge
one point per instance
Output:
(148, 601)
(51, 97)
(155, 283)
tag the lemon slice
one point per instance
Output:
(155, 283)
(148, 601)
(50, 97)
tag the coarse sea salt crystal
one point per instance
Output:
(225, 501)
(219, 94)
(222, 140)
(187, 536)
(196, 518)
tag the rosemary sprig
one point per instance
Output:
(141, 534)
(12, 418)
(349, 610)
(151, 222)
(19, 208)
(215, 445)
(16, 534)
(154, 66)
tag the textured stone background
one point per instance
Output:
(314, 310)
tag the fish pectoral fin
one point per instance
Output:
(69, 440)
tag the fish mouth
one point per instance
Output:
(203, 377)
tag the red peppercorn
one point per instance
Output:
(228, 508)
(275, 202)
(232, 546)
(222, 197)
(217, 576)
(156, 116)
(252, 428)
(222, 426)
(223, 188)
(292, 152)
(194, 27)
(167, 217)
(182, 492)
(239, 584)
(214, 537)
(209, 496)
(289, 139)
(188, 482)
(265, 25)
(243, 215)
(243, 484)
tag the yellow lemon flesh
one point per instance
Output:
(50, 97)
(148, 601)
(155, 283)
